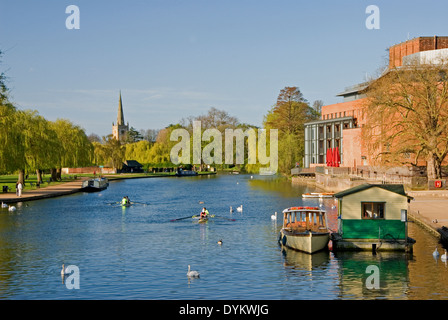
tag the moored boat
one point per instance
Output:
(186, 173)
(93, 185)
(304, 229)
(318, 195)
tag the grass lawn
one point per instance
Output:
(10, 181)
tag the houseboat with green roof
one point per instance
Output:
(372, 217)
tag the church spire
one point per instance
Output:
(120, 116)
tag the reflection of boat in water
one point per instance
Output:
(318, 195)
(93, 185)
(302, 260)
(304, 229)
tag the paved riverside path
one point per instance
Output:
(51, 191)
(430, 209)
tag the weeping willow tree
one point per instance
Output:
(407, 112)
(40, 147)
(75, 148)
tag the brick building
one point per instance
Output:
(340, 128)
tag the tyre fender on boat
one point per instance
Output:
(284, 240)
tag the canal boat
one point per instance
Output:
(305, 229)
(186, 173)
(94, 185)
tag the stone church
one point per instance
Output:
(120, 130)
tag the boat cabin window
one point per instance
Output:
(372, 210)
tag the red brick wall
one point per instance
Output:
(398, 51)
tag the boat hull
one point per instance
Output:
(95, 185)
(309, 242)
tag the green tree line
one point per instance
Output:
(288, 115)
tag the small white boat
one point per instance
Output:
(305, 229)
(318, 195)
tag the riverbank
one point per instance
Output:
(428, 208)
(62, 189)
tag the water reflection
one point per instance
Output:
(135, 248)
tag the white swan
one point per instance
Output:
(240, 208)
(192, 274)
(274, 216)
(444, 257)
(4, 205)
(12, 208)
(64, 270)
(435, 253)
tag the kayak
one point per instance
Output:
(126, 204)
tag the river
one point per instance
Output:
(139, 253)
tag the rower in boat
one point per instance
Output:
(125, 201)
(204, 215)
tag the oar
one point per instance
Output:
(145, 204)
(215, 216)
(189, 217)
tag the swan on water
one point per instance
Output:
(274, 216)
(240, 208)
(12, 208)
(435, 253)
(192, 273)
(4, 205)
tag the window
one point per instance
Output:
(372, 210)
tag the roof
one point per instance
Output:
(396, 188)
(133, 163)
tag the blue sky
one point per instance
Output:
(174, 59)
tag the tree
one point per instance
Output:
(289, 115)
(75, 150)
(317, 106)
(110, 152)
(407, 112)
(133, 136)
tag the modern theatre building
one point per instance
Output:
(335, 140)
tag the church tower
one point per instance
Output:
(120, 130)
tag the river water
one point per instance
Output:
(139, 253)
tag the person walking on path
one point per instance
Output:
(19, 189)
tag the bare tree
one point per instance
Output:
(407, 116)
